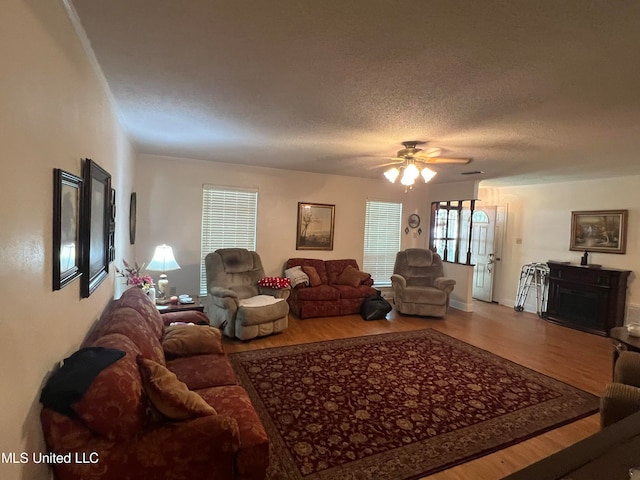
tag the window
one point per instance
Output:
(450, 234)
(228, 220)
(381, 240)
(480, 217)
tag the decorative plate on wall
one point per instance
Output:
(414, 220)
(132, 218)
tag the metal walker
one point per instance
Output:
(536, 275)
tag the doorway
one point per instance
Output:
(483, 252)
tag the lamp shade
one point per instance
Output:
(392, 174)
(427, 174)
(163, 260)
(408, 178)
(411, 172)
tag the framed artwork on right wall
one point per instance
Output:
(602, 231)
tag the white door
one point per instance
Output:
(483, 252)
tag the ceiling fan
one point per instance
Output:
(410, 161)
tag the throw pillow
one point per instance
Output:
(115, 393)
(351, 276)
(297, 277)
(186, 340)
(312, 273)
(277, 283)
(169, 395)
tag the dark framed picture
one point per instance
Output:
(315, 226)
(66, 210)
(602, 231)
(95, 214)
(133, 212)
(112, 226)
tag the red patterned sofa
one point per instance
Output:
(331, 296)
(135, 420)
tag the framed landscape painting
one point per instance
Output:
(602, 231)
(315, 226)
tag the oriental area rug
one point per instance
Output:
(396, 406)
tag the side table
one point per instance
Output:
(181, 307)
(622, 341)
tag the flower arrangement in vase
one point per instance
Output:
(133, 276)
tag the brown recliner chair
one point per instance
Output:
(419, 284)
(236, 304)
(621, 398)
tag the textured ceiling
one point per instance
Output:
(533, 90)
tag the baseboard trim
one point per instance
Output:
(465, 307)
(507, 302)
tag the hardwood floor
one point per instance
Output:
(577, 358)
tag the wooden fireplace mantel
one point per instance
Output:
(586, 298)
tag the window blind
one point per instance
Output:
(228, 220)
(383, 223)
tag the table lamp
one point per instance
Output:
(163, 261)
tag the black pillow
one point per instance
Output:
(68, 384)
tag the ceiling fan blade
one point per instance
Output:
(461, 161)
(388, 164)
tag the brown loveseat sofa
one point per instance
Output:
(334, 292)
(135, 420)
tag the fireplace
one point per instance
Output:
(578, 307)
(586, 298)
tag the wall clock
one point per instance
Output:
(414, 220)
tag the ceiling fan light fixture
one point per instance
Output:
(412, 163)
(392, 174)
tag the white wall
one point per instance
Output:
(467, 190)
(170, 206)
(539, 227)
(54, 112)
(462, 295)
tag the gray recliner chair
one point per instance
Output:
(236, 304)
(621, 397)
(419, 284)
